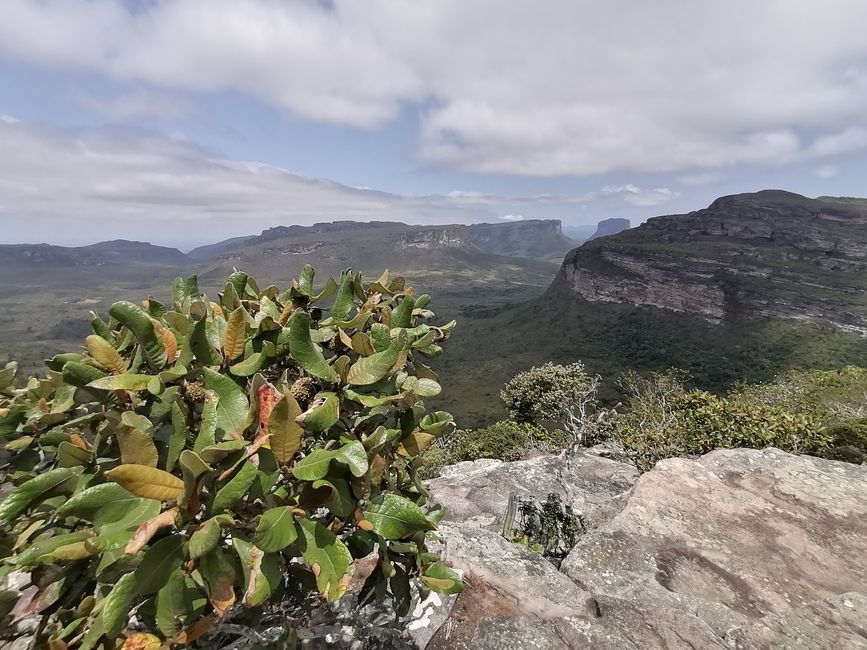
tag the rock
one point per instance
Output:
(838, 623)
(732, 537)
(610, 227)
(478, 492)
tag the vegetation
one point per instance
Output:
(194, 456)
(565, 394)
(551, 528)
(504, 440)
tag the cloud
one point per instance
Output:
(826, 171)
(577, 89)
(80, 186)
(700, 179)
(137, 105)
(512, 217)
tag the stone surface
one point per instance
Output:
(732, 537)
(478, 491)
(838, 623)
(610, 227)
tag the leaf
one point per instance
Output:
(68, 455)
(262, 573)
(285, 434)
(316, 465)
(394, 516)
(219, 577)
(442, 579)
(402, 314)
(354, 455)
(323, 413)
(416, 442)
(236, 487)
(276, 530)
(345, 299)
(327, 557)
(139, 322)
(145, 532)
(147, 482)
(305, 352)
(163, 558)
(7, 375)
(172, 606)
(435, 423)
(207, 434)
(401, 597)
(233, 405)
(369, 370)
(37, 488)
(200, 346)
(122, 382)
(235, 336)
(39, 552)
(178, 437)
(105, 354)
(194, 470)
(116, 606)
(80, 374)
(340, 501)
(206, 537)
(422, 387)
(142, 641)
(137, 447)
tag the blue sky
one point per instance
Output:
(186, 121)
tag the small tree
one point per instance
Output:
(564, 394)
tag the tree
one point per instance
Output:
(194, 456)
(564, 394)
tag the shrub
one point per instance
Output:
(563, 394)
(174, 470)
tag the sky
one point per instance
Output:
(183, 122)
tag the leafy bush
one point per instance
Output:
(564, 394)
(551, 529)
(178, 467)
(505, 440)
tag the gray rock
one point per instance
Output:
(478, 492)
(732, 537)
(838, 623)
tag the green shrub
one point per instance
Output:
(177, 467)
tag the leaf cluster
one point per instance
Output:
(178, 466)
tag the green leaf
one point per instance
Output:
(313, 466)
(402, 315)
(122, 382)
(401, 596)
(99, 504)
(235, 488)
(200, 346)
(442, 579)
(140, 324)
(233, 405)
(116, 606)
(205, 538)
(218, 573)
(327, 557)
(39, 552)
(163, 558)
(394, 516)
(34, 490)
(305, 352)
(80, 374)
(276, 530)
(207, 434)
(172, 607)
(178, 438)
(7, 375)
(284, 432)
(435, 423)
(369, 370)
(345, 299)
(262, 572)
(354, 455)
(68, 455)
(340, 501)
(220, 450)
(323, 413)
(422, 387)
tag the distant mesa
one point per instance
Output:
(769, 253)
(608, 227)
(118, 251)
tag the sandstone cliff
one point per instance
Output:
(534, 238)
(608, 227)
(771, 253)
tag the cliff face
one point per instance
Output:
(535, 238)
(610, 227)
(119, 251)
(770, 253)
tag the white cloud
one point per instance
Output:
(699, 179)
(578, 88)
(827, 171)
(512, 217)
(77, 186)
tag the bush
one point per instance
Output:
(505, 440)
(196, 455)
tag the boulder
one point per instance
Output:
(477, 492)
(732, 537)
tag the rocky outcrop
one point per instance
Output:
(770, 253)
(533, 238)
(737, 549)
(119, 251)
(610, 227)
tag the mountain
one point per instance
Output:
(751, 286)
(117, 252)
(610, 227)
(534, 238)
(770, 253)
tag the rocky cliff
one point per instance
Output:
(610, 227)
(771, 253)
(119, 251)
(534, 238)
